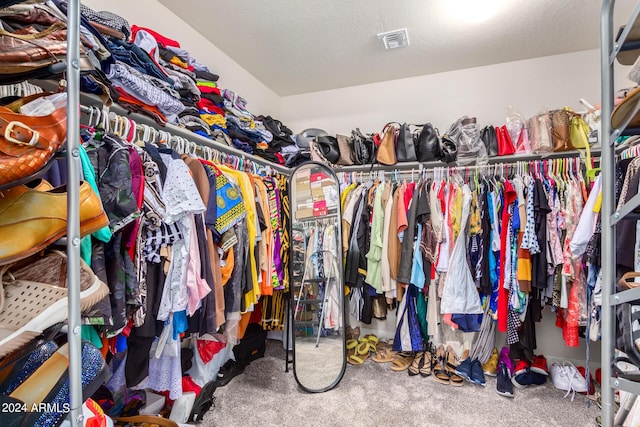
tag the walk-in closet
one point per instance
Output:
(319, 213)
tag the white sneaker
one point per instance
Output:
(559, 376)
(578, 382)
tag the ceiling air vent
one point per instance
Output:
(394, 39)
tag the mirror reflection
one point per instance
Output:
(318, 292)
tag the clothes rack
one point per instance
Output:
(609, 48)
(73, 213)
(89, 102)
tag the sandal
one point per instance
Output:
(353, 333)
(145, 421)
(427, 364)
(384, 354)
(440, 374)
(451, 364)
(417, 364)
(400, 362)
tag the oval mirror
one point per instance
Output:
(317, 303)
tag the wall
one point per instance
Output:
(260, 99)
(486, 92)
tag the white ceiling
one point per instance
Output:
(300, 46)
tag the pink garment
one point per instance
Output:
(402, 211)
(552, 230)
(197, 287)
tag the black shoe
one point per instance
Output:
(228, 371)
(504, 387)
(204, 402)
(537, 378)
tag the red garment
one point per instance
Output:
(503, 295)
(162, 40)
(209, 348)
(152, 110)
(408, 195)
(208, 106)
(209, 89)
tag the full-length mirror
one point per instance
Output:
(317, 302)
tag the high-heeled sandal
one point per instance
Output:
(451, 360)
(416, 365)
(440, 374)
(427, 363)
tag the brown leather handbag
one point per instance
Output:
(28, 143)
(386, 154)
(561, 126)
(28, 50)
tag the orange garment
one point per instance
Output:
(243, 323)
(227, 269)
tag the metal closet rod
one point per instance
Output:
(198, 140)
(408, 166)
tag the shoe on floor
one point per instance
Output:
(565, 376)
(33, 297)
(537, 378)
(477, 374)
(31, 220)
(522, 380)
(504, 387)
(490, 368)
(522, 366)
(228, 371)
(464, 369)
(539, 365)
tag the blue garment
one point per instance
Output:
(417, 269)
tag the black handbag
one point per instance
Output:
(449, 149)
(488, 136)
(364, 151)
(405, 145)
(328, 146)
(428, 144)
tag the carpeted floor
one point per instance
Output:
(373, 395)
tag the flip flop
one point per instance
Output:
(400, 363)
(384, 355)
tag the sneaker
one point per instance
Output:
(522, 380)
(505, 357)
(464, 369)
(537, 378)
(559, 376)
(583, 373)
(539, 365)
(503, 382)
(490, 368)
(477, 374)
(522, 366)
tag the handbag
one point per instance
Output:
(27, 144)
(405, 146)
(540, 134)
(345, 147)
(386, 154)
(561, 130)
(579, 135)
(328, 147)
(505, 145)
(364, 148)
(488, 136)
(449, 149)
(428, 144)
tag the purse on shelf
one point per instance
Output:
(28, 143)
(540, 135)
(345, 147)
(561, 130)
(328, 148)
(505, 145)
(406, 146)
(364, 149)
(428, 144)
(449, 149)
(386, 154)
(488, 136)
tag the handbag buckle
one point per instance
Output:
(14, 124)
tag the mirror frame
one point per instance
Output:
(291, 319)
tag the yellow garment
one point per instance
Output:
(249, 197)
(343, 196)
(266, 244)
(456, 211)
(598, 204)
(214, 119)
(179, 62)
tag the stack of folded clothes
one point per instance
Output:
(152, 74)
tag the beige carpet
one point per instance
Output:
(373, 395)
